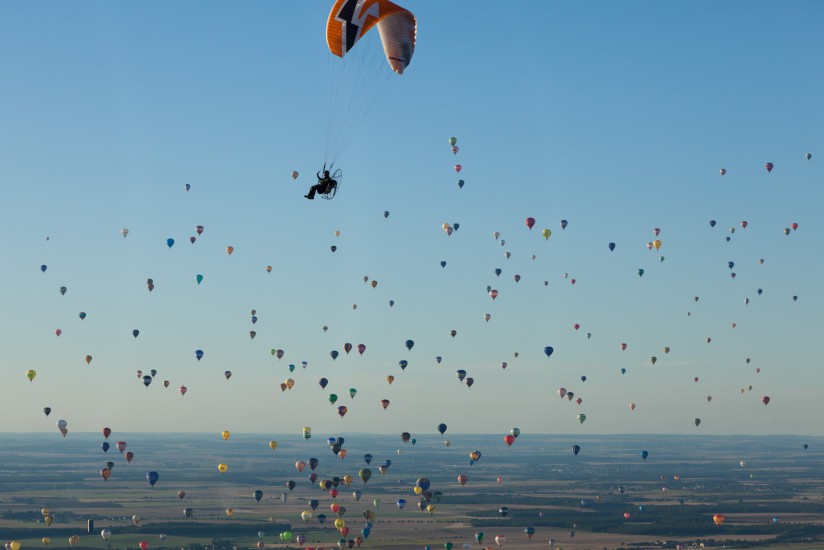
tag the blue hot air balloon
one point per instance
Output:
(401, 503)
(152, 477)
(409, 344)
(105, 446)
(334, 353)
(611, 247)
(644, 454)
(199, 354)
(170, 242)
(548, 350)
(367, 458)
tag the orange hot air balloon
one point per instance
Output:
(718, 519)
(230, 249)
(390, 379)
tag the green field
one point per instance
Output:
(773, 501)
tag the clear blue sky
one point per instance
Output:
(614, 116)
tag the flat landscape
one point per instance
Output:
(534, 493)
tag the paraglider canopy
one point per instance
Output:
(396, 25)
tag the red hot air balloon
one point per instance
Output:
(509, 439)
(769, 166)
(458, 167)
(530, 222)
(120, 446)
(107, 432)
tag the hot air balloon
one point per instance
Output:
(718, 519)
(576, 449)
(769, 166)
(644, 454)
(152, 478)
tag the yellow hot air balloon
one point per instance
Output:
(45, 512)
(306, 515)
(230, 512)
(418, 490)
(49, 519)
(347, 479)
(546, 233)
(273, 444)
(657, 244)
(290, 383)
(15, 545)
(225, 434)
(340, 523)
(222, 468)
(30, 374)
(46, 541)
(431, 508)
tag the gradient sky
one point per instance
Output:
(614, 116)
